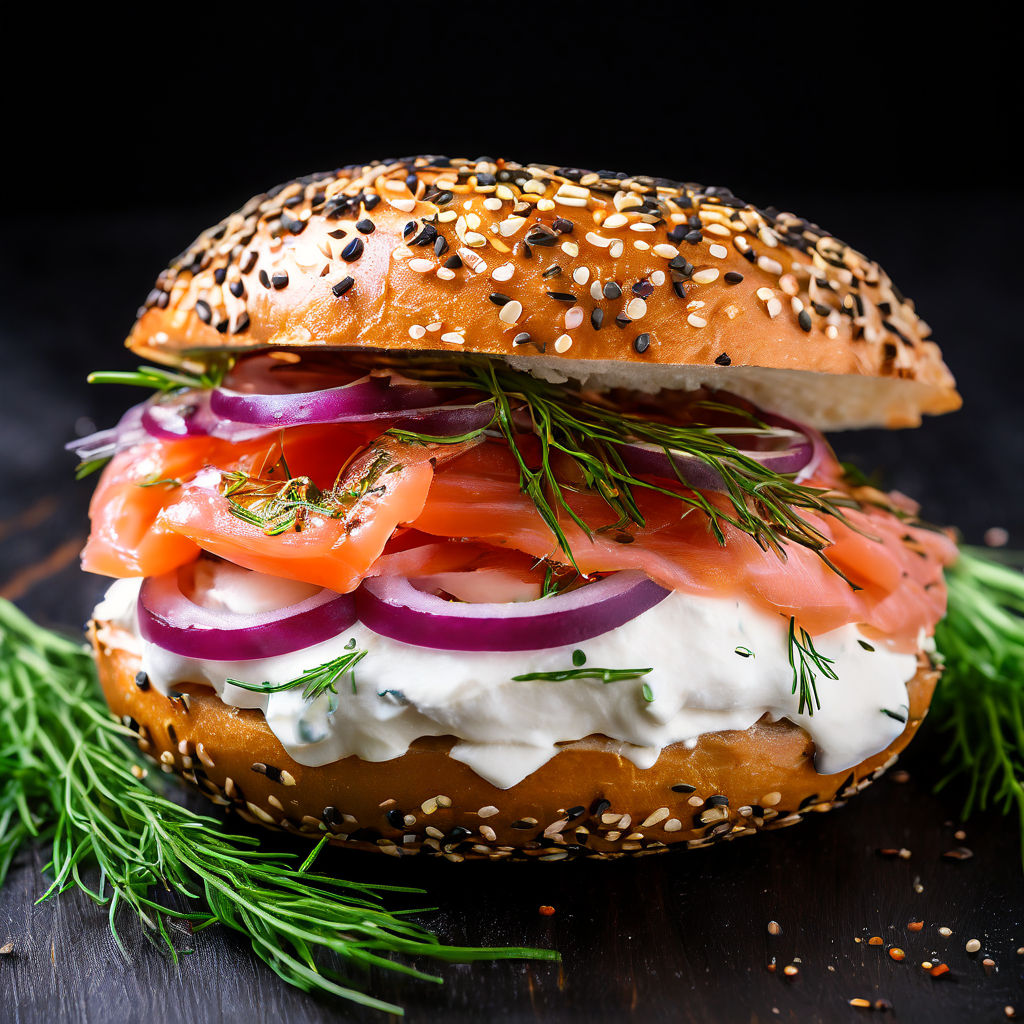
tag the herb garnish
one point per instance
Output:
(605, 675)
(806, 662)
(67, 776)
(314, 681)
(159, 378)
(760, 502)
(979, 700)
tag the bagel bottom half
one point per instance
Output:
(588, 800)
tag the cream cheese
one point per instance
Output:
(716, 664)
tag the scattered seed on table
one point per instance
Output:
(973, 945)
(774, 928)
(546, 911)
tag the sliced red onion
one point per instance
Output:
(393, 607)
(449, 420)
(174, 622)
(369, 398)
(105, 444)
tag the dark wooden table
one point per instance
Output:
(682, 937)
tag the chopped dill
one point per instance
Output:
(806, 662)
(315, 681)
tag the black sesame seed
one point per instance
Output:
(644, 289)
(732, 277)
(499, 299)
(366, 226)
(563, 226)
(409, 228)
(723, 359)
(693, 237)
(523, 825)
(717, 801)
(292, 224)
(203, 311)
(679, 288)
(553, 271)
(219, 274)
(596, 318)
(622, 321)
(803, 318)
(237, 289)
(575, 812)
(440, 246)
(353, 250)
(683, 787)
(611, 290)
(369, 202)
(264, 279)
(280, 280)
(331, 816)
(642, 342)
(521, 339)
(249, 262)
(337, 233)
(142, 680)
(457, 833)
(396, 819)
(562, 296)
(598, 807)
(342, 286)
(242, 323)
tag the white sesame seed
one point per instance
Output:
(642, 227)
(636, 308)
(654, 817)
(563, 343)
(569, 200)
(764, 294)
(573, 318)
(544, 205)
(571, 249)
(510, 312)
(616, 220)
(475, 239)
(535, 187)
(405, 205)
(658, 278)
(402, 252)
(422, 266)
(445, 274)
(595, 291)
(503, 272)
(973, 945)
(705, 276)
(394, 185)
(492, 203)
(695, 304)
(774, 308)
(717, 229)
(788, 284)
(768, 237)
(581, 275)
(573, 191)
(453, 339)
(615, 249)
(696, 321)
(417, 331)
(510, 225)
(718, 251)
(474, 262)
(446, 216)
(488, 812)
(488, 833)
(640, 245)
(504, 192)
(798, 306)
(595, 239)
(769, 266)
(472, 220)
(673, 825)
(666, 251)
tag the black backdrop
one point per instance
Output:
(124, 140)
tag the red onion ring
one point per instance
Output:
(174, 622)
(393, 607)
(366, 399)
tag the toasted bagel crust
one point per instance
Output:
(588, 800)
(565, 271)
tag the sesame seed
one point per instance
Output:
(511, 312)
(342, 286)
(774, 928)
(421, 266)
(503, 272)
(696, 321)
(279, 280)
(616, 220)
(573, 318)
(571, 249)
(705, 276)
(636, 308)
(723, 360)
(673, 825)
(718, 251)
(581, 275)
(595, 239)
(596, 318)
(416, 332)
(452, 338)
(666, 251)
(732, 277)
(774, 308)
(769, 265)
(973, 945)
(611, 290)
(641, 343)
(563, 343)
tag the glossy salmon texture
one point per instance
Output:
(467, 515)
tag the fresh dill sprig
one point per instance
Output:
(67, 776)
(761, 503)
(979, 700)
(605, 675)
(806, 662)
(159, 378)
(315, 681)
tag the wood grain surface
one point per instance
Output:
(681, 937)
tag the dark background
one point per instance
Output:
(124, 140)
